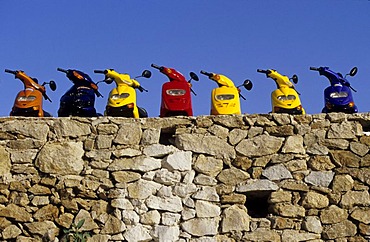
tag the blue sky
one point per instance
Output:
(233, 38)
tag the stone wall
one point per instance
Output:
(209, 178)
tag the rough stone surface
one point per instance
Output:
(261, 177)
(61, 158)
(235, 218)
(259, 145)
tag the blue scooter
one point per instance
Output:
(79, 100)
(338, 96)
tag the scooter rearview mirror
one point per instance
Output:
(248, 84)
(53, 85)
(108, 80)
(353, 71)
(194, 76)
(295, 79)
(146, 74)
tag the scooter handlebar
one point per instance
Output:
(206, 73)
(263, 71)
(99, 71)
(62, 70)
(314, 68)
(10, 71)
(155, 66)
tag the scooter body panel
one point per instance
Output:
(78, 101)
(28, 102)
(286, 100)
(122, 102)
(338, 98)
(225, 100)
(176, 99)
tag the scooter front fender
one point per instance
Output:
(225, 100)
(30, 101)
(285, 98)
(176, 99)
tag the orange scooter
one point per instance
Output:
(29, 101)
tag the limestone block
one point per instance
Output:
(320, 178)
(312, 224)
(40, 228)
(142, 164)
(259, 146)
(15, 212)
(5, 163)
(142, 189)
(166, 233)
(333, 214)
(207, 194)
(236, 135)
(208, 165)
(276, 173)
(361, 214)
(11, 232)
(151, 217)
(65, 127)
(180, 161)
(342, 183)
(235, 218)
(294, 144)
(262, 234)
(166, 177)
(201, 226)
(128, 134)
(233, 176)
(339, 230)
(315, 200)
(206, 209)
(170, 204)
(354, 198)
(150, 136)
(137, 233)
(257, 185)
(159, 150)
(61, 158)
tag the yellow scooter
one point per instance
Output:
(122, 98)
(225, 98)
(285, 99)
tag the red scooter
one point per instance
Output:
(176, 98)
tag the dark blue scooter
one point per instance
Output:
(338, 96)
(79, 100)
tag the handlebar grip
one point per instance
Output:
(10, 71)
(62, 70)
(99, 71)
(155, 66)
(314, 68)
(262, 71)
(206, 73)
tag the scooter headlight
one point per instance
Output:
(285, 98)
(176, 92)
(223, 97)
(338, 94)
(26, 99)
(120, 96)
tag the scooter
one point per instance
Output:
(338, 96)
(122, 98)
(29, 101)
(79, 100)
(176, 97)
(284, 99)
(225, 98)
